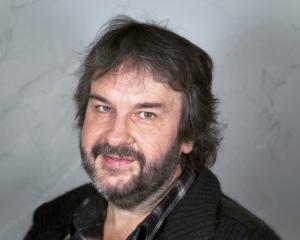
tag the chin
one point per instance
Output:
(116, 182)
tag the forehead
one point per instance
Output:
(134, 83)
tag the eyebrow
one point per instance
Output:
(99, 98)
(138, 105)
(149, 105)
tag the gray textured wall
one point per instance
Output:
(256, 48)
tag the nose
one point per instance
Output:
(119, 133)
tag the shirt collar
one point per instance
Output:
(89, 216)
(155, 219)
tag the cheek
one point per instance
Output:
(155, 143)
(84, 136)
(93, 129)
(90, 134)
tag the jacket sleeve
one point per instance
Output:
(236, 222)
(46, 225)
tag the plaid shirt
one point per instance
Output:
(87, 222)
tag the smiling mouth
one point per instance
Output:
(115, 160)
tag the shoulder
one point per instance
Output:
(236, 222)
(53, 217)
(64, 205)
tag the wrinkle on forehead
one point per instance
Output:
(140, 78)
(133, 75)
(133, 86)
(138, 70)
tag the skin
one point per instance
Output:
(129, 108)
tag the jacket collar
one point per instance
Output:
(195, 216)
(88, 218)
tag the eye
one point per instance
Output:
(104, 108)
(147, 115)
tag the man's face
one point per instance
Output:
(129, 140)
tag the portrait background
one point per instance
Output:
(255, 45)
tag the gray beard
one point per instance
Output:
(151, 180)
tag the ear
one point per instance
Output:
(187, 146)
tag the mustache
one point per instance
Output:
(122, 151)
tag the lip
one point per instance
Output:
(114, 160)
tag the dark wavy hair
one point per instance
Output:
(173, 60)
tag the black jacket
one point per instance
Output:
(204, 213)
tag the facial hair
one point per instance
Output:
(152, 175)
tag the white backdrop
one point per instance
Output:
(256, 48)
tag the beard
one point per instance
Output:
(149, 180)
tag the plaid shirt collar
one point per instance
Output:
(87, 222)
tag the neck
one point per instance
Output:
(121, 222)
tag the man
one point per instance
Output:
(148, 128)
